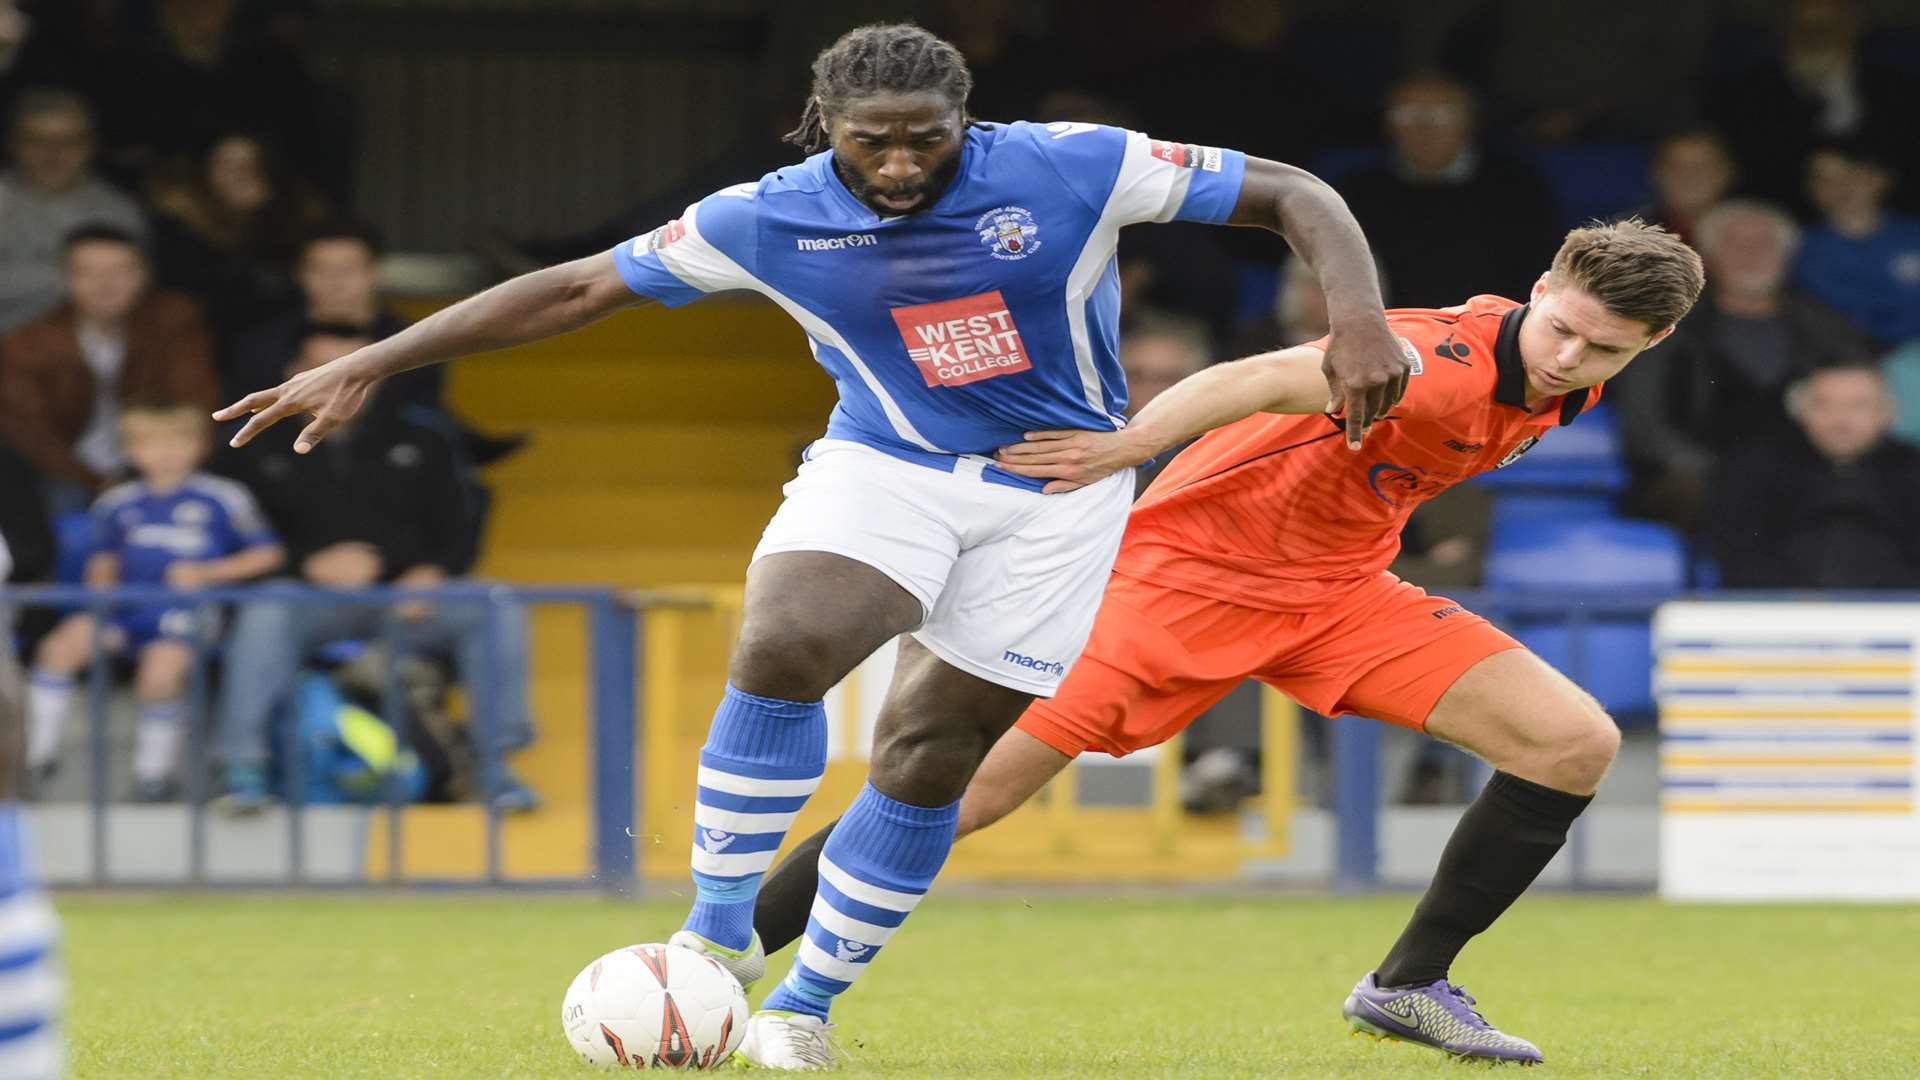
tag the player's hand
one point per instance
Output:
(1071, 459)
(332, 393)
(1366, 375)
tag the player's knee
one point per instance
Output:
(784, 660)
(1588, 751)
(926, 767)
(65, 650)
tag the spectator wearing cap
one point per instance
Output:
(1859, 259)
(64, 376)
(50, 191)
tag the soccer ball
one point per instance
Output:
(654, 1007)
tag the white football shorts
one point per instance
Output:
(1008, 579)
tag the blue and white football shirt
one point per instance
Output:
(955, 330)
(206, 517)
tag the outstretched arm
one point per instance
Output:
(1288, 381)
(532, 306)
(1364, 372)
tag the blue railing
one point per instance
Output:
(1355, 745)
(613, 637)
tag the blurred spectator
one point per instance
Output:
(1902, 371)
(338, 274)
(1859, 259)
(1426, 211)
(229, 233)
(64, 376)
(191, 71)
(173, 526)
(1298, 314)
(1000, 45)
(49, 192)
(1159, 350)
(379, 502)
(1817, 83)
(1835, 505)
(1238, 83)
(1721, 376)
(25, 532)
(1692, 171)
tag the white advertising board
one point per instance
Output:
(1787, 736)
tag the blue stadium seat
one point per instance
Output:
(1600, 555)
(1582, 458)
(1615, 664)
(1512, 506)
(1594, 180)
(72, 542)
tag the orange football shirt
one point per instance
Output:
(1274, 512)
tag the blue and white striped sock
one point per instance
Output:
(879, 861)
(31, 983)
(762, 760)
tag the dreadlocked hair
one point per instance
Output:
(879, 58)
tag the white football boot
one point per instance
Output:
(796, 1042)
(746, 965)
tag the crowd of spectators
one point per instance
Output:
(177, 229)
(174, 233)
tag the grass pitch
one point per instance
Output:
(1050, 985)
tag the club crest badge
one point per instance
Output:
(1009, 232)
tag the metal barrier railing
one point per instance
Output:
(1355, 746)
(613, 643)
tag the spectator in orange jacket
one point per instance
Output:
(64, 375)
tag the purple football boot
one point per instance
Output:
(1440, 1015)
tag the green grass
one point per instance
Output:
(1047, 986)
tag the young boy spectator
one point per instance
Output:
(174, 526)
(1860, 260)
(64, 375)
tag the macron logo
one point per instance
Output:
(837, 243)
(1045, 667)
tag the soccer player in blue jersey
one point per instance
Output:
(31, 987)
(957, 281)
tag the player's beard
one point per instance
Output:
(929, 189)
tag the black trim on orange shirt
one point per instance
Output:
(1510, 376)
(1510, 380)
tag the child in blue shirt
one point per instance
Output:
(173, 526)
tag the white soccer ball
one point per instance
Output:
(654, 1007)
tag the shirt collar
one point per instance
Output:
(1510, 376)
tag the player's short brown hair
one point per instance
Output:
(1636, 270)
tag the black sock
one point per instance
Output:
(1502, 843)
(786, 897)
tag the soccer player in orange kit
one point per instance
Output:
(1261, 552)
